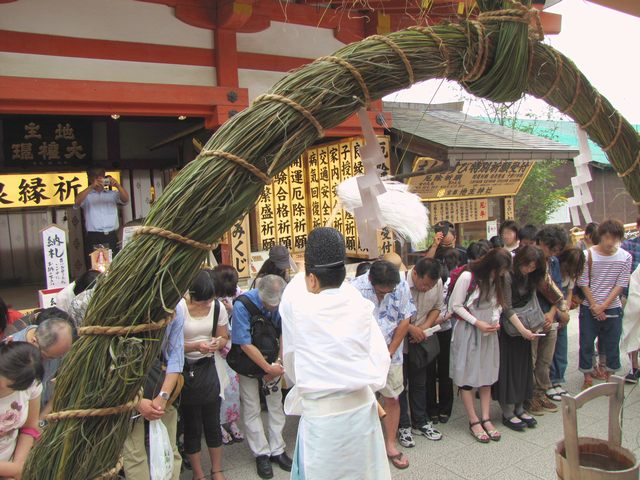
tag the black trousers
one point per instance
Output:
(439, 386)
(195, 419)
(109, 240)
(413, 400)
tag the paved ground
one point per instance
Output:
(521, 456)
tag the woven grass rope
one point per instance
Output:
(499, 58)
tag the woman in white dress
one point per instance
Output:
(476, 301)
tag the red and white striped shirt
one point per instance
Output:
(607, 272)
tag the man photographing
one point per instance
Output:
(100, 206)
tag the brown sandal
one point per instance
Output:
(481, 437)
(493, 434)
(397, 461)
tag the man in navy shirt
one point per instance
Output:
(266, 298)
(100, 207)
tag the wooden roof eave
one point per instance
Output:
(423, 147)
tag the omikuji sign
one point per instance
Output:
(42, 141)
(43, 189)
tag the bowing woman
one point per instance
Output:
(205, 332)
(515, 384)
(476, 301)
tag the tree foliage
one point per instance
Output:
(540, 195)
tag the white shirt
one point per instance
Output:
(14, 410)
(65, 296)
(332, 342)
(198, 329)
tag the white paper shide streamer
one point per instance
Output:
(402, 211)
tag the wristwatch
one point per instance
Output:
(164, 395)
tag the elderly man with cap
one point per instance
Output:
(261, 304)
(393, 309)
(337, 357)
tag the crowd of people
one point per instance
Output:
(488, 321)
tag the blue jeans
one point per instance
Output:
(608, 334)
(560, 358)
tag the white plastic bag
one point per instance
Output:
(160, 452)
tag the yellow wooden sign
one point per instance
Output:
(467, 179)
(26, 190)
(238, 239)
(266, 219)
(459, 211)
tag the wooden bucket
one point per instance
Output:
(584, 458)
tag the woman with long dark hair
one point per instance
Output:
(515, 383)
(205, 332)
(476, 301)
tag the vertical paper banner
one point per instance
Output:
(282, 205)
(266, 219)
(240, 248)
(313, 180)
(298, 205)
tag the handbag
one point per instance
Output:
(578, 295)
(201, 384)
(530, 315)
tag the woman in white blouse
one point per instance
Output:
(205, 332)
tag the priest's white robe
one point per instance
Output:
(336, 358)
(631, 318)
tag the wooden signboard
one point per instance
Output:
(46, 141)
(459, 211)
(54, 244)
(240, 249)
(470, 179)
(26, 190)
(509, 208)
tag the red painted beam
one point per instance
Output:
(82, 97)
(41, 44)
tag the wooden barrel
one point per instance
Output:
(585, 458)
(598, 460)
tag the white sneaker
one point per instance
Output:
(428, 431)
(405, 438)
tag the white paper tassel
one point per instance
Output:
(402, 211)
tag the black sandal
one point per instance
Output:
(515, 426)
(530, 422)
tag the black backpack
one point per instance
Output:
(264, 336)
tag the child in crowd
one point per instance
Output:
(603, 281)
(21, 372)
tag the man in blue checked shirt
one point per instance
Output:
(394, 308)
(136, 464)
(632, 246)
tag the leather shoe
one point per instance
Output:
(283, 461)
(264, 467)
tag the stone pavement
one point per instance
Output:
(521, 456)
